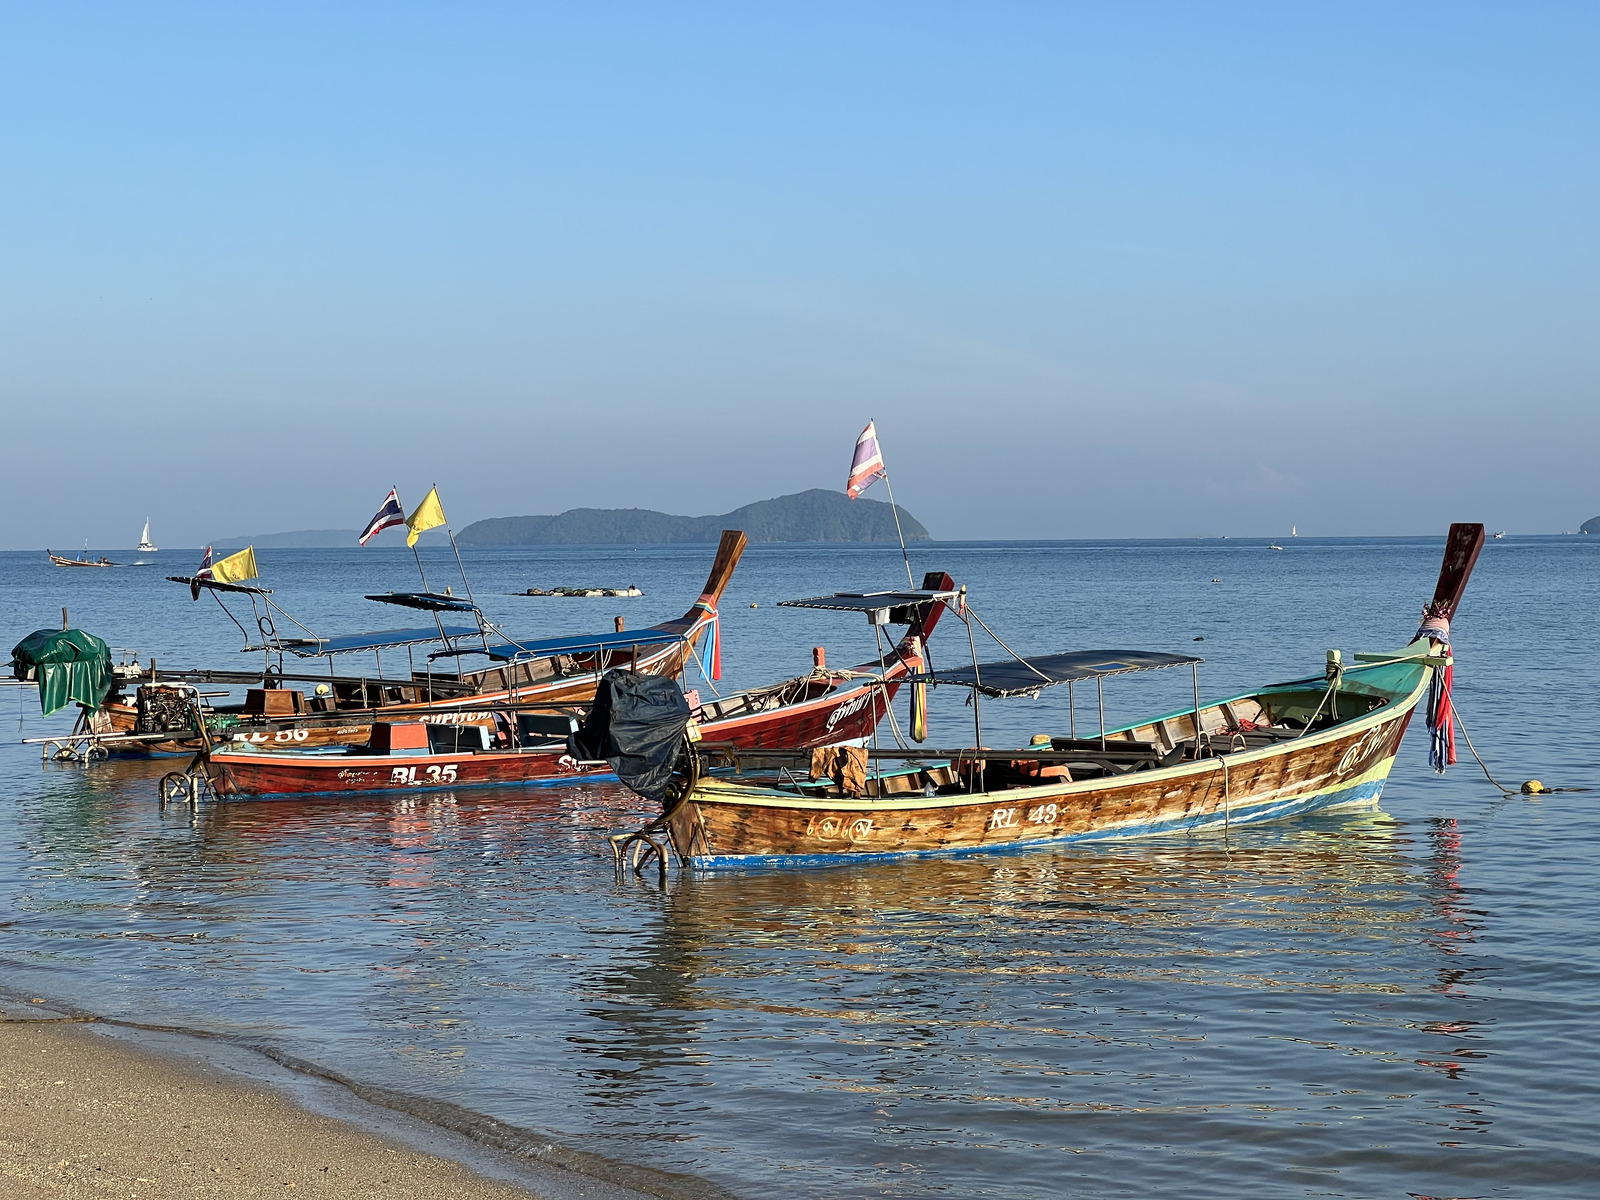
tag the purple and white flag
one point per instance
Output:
(867, 464)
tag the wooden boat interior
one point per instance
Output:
(1238, 725)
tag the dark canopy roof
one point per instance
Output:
(873, 602)
(217, 585)
(431, 601)
(1012, 678)
(545, 647)
(382, 640)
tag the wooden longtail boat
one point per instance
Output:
(822, 708)
(1323, 743)
(521, 674)
(57, 560)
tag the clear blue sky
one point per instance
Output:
(1097, 270)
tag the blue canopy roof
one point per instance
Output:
(546, 647)
(382, 640)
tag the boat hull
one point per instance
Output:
(723, 825)
(251, 774)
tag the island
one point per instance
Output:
(817, 515)
(1592, 525)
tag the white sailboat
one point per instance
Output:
(1294, 531)
(146, 546)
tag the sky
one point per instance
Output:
(1135, 270)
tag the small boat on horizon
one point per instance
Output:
(146, 546)
(83, 559)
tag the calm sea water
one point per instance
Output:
(1391, 1004)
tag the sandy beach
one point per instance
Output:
(82, 1114)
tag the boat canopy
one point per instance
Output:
(1020, 677)
(351, 643)
(882, 608)
(547, 647)
(431, 601)
(216, 585)
(67, 664)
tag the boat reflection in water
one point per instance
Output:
(464, 949)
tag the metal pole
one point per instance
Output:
(895, 509)
(1072, 713)
(1100, 691)
(1195, 669)
(977, 679)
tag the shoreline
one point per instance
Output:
(100, 1103)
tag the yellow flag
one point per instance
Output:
(429, 515)
(236, 568)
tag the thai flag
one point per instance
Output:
(203, 573)
(867, 464)
(390, 515)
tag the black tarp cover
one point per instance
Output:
(636, 725)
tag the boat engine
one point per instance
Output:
(163, 710)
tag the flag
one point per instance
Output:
(867, 464)
(388, 517)
(236, 568)
(919, 712)
(203, 573)
(429, 515)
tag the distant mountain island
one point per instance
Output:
(815, 516)
(1592, 525)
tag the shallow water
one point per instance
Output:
(1382, 1004)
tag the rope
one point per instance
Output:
(705, 676)
(1007, 648)
(1456, 713)
(1332, 683)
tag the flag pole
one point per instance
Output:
(460, 566)
(895, 509)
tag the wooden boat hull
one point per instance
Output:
(250, 774)
(845, 713)
(557, 682)
(723, 824)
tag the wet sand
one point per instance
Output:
(82, 1114)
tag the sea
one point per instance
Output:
(1393, 1003)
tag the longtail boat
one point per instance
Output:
(520, 674)
(83, 560)
(1318, 744)
(825, 707)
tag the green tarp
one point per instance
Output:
(68, 664)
